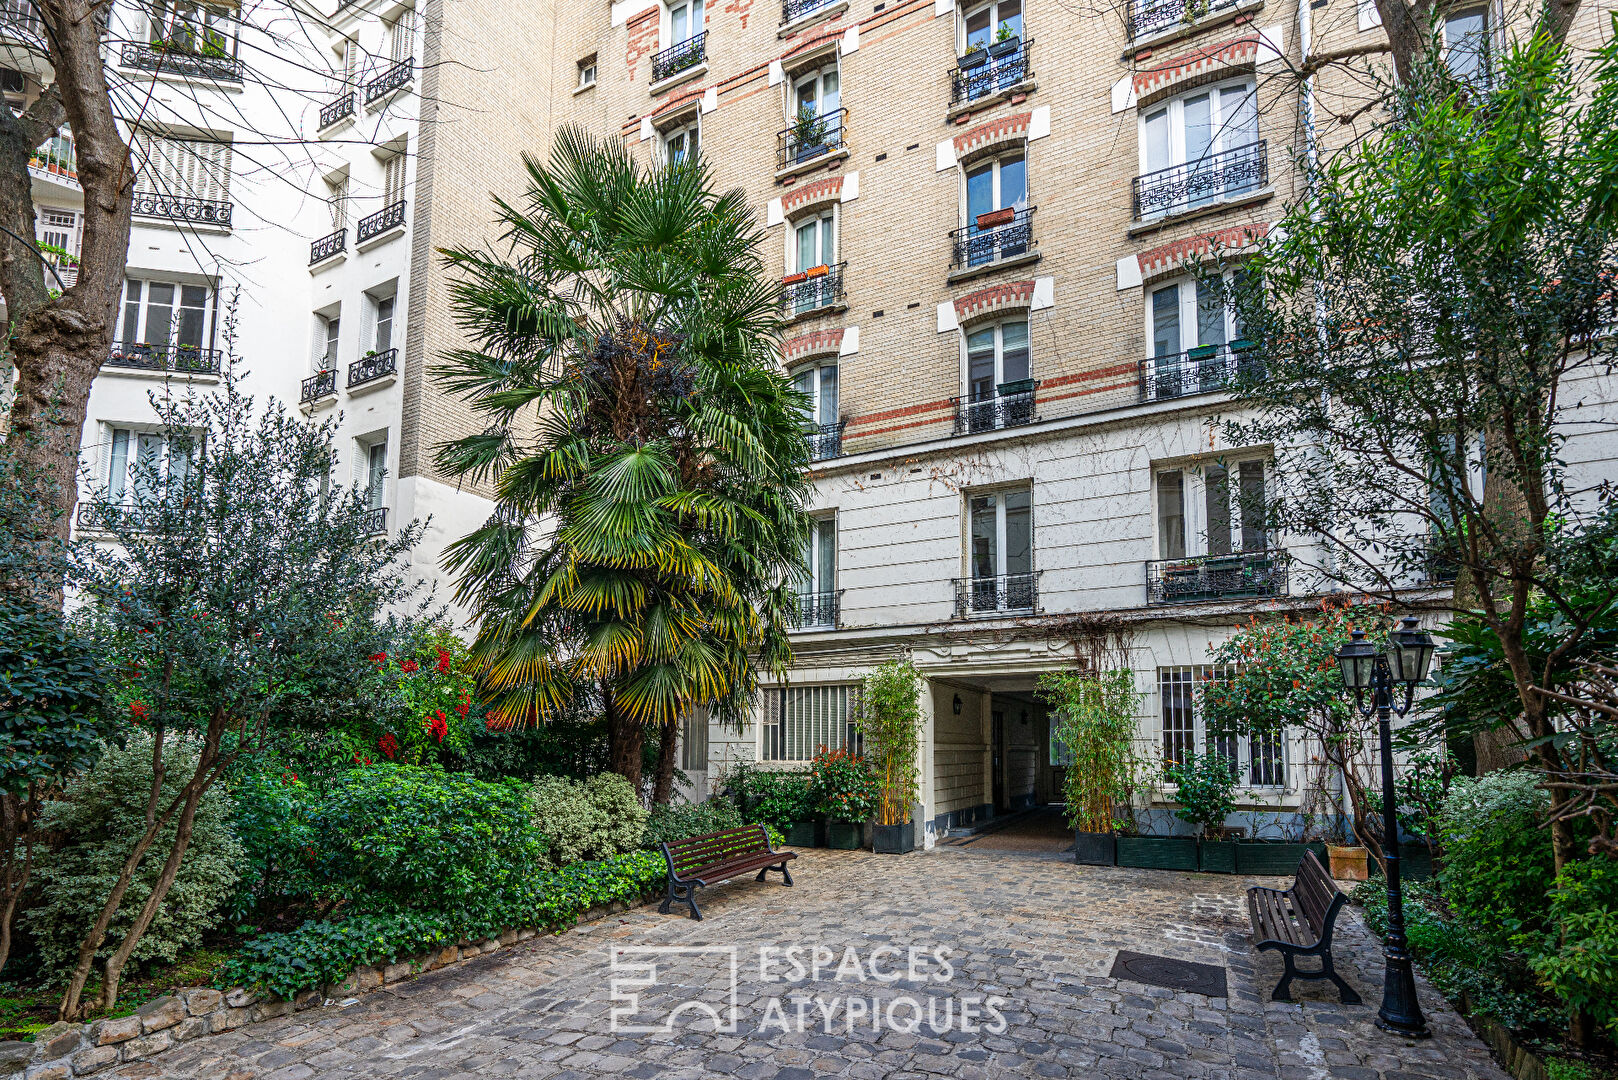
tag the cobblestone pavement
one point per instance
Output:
(1039, 934)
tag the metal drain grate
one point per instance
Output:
(1205, 979)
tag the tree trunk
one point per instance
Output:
(1497, 749)
(668, 745)
(16, 827)
(625, 737)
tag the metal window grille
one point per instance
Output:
(694, 743)
(1260, 754)
(799, 720)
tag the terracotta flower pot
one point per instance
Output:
(793, 279)
(996, 217)
(1348, 863)
(817, 271)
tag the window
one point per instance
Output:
(199, 29)
(817, 94)
(1192, 331)
(1260, 755)
(694, 742)
(817, 587)
(1466, 45)
(393, 179)
(814, 242)
(683, 143)
(819, 385)
(1215, 510)
(339, 203)
(59, 230)
(993, 22)
(328, 334)
(1000, 550)
(176, 168)
(402, 36)
(799, 720)
(382, 329)
(996, 226)
(587, 71)
(352, 59)
(165, 314)
(372, 470)
(1197, 149)
(999, 391)
(140, 462)
(685, 21)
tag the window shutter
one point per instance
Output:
(368, 323)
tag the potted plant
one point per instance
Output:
(1005, 42)
(1003, 216)
(890, 716)
(974, 57)
(793, 279)
(1349, 862)
(817, 271)
(1096, 732)
(808, 133)
(845, 792)
(1206, 786)
(1201, 352)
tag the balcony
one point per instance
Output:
(104, 515)
(1008, 593)
(993, 237)
(825, 440)
(180, 359)
(1244, 575)
(341, 108)
(1218, 177)
(390, 80)
(985, 72)
(817, 611)
(389, 217)
(1149, 17)
(327, 246)
(194, 211)
(1206, 369)
(376, 521)
(807, 140)
(814, 289)
(319, 385)
(211, 63)
(681, 56)
(371, 368)
(793, 10)
(1006, 406)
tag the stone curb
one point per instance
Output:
(66, 1050)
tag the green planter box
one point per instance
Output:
(893, 839)
(1278, 857)
(1415, 863)
(1158, 852)
(1095, 848)
(845, 835)
(801, 834)
(1216, 856)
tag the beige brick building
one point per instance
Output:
(982, 215)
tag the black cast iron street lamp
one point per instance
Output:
(1403, 664)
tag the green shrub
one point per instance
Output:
(842, 786)
(320, 953)
(780, 799)
(1578, 957)
(395, 837)
(1498, 862)
(594, 819)
(1205, 790)
(677, 821)
(272, 824)
(101, 816)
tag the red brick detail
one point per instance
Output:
(1002, 129)
(643, 38)
(818, 343)
(1208, 60)
(821, 191)
(742, 8)
(993, 300)
(822, 35)
(1162, 260)
(685, 99)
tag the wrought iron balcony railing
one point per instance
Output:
(196, 211)
(1203, 370)
(320, 384)
(389, 217)
(826, 440)
(805, 142)
(1243, 575)
(1155, 16)
(105, 515)
(342, 106)
(1007, 405)
(373, 367)
(1002, 234)
(22, 17)
(376, 521)
(813, 289)
(990, 595)
(389, 81)
(174, 61)
(793, 10)
(327, 246)
(979, 74)
(1197, 183)
(681, 56)
(818, 610)
(181, 359)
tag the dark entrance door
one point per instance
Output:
(999, 760)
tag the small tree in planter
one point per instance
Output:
(846, 792)
(1096, 729)
(890, 717)
(1207, 795)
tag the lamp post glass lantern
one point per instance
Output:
(1402, 664)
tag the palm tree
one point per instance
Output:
(645, 451)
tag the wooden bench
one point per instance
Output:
(1298, 922)
(700, 861)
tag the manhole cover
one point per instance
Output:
(1205, 979)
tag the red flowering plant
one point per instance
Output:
(425, 695)
(843, 786)
(1282, 673)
